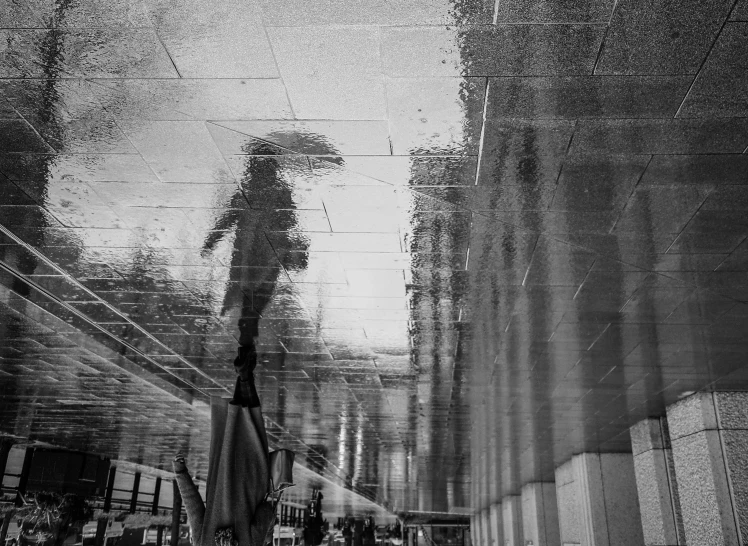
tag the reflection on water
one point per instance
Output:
(491, 263)
(180, 239)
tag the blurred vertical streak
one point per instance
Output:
(176, 514)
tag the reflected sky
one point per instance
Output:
(468, 242)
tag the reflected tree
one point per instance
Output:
(49, 518)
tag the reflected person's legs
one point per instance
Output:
(245, 393)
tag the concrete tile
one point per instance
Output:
(331, 73)
(720, 87)
(732, 414)
(18, 15)
(722, 221)
(214, 41)
(178, 151)
(118, 52)
(493, 198)
(6, 109)
(697, 169)
(435, 116)
(19, 136)
(195, 99)
(661, 136)
(589, 11)
(693, 414)
(292, 13)
(85, 136)
(621, 501)
(661, 209)
(506, 50)
(311, 137)
(699, 495)
(660, 37)
(561, 222)
(689, 262)
(733, 442)
(17, 216)
(582, 97)
(78, 166)
(413, 170)
(701, 242)
(523, 152)
(726, 198)
(14, 195)
(597, 183)
(95, 14)
(75, 99)
(646, 435)
(333, 171)
(740, 12)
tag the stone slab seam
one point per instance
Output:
(605, 507)
(671, 483)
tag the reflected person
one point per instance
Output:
(244, 480)
(255, 263)
(314, 524)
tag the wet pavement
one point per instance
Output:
(479, 238)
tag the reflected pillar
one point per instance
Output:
(478, 536)
(497, 534)
(597, 500)
(662, 521)
(511, 508)
(474, 531)
(176, 514)
(109, 489)
(709, 437)
(156, 497)
(100, 537)
(7, 517)
(6, 444)
(485, 527)
(135, 491)
(540, 514)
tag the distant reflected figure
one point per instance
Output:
(395, 534)
(347, 532)
(314, 524)
(244, 480)
(369, 535)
